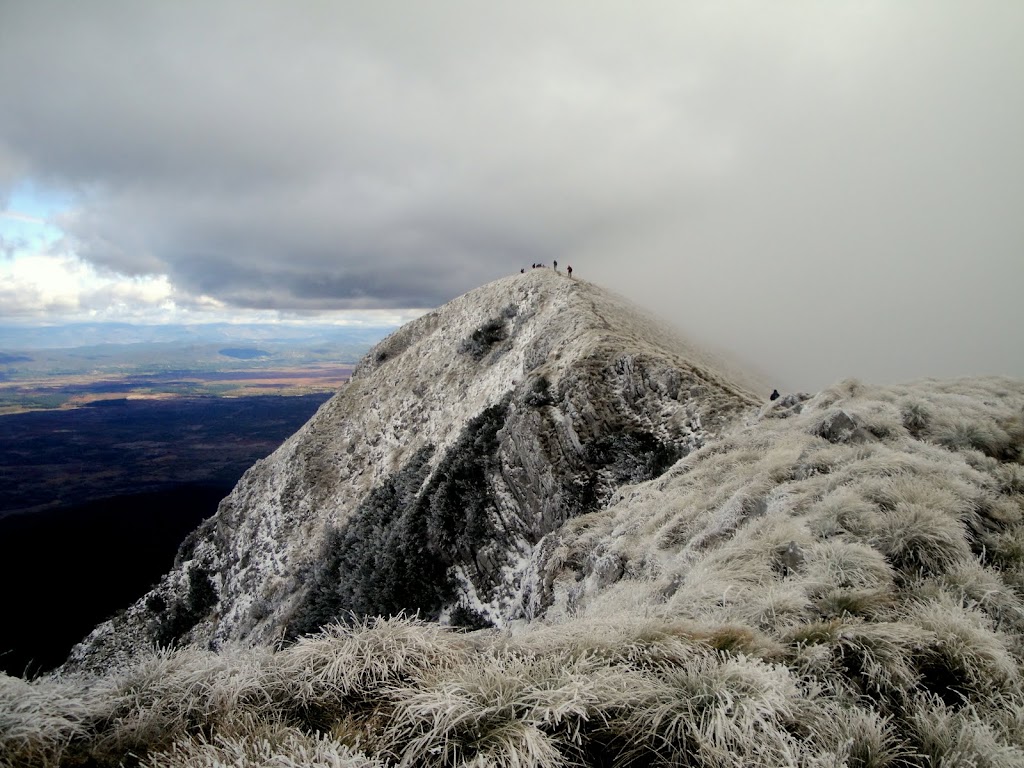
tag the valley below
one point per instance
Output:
(94, 502)
(112, 453)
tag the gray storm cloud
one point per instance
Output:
(822, 190)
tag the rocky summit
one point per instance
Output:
(425, 485)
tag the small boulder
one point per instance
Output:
(791, 559)
(840, 427)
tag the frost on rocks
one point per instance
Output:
(464, 439)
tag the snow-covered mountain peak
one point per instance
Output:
(425, 484)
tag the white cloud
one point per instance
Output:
(46, 285)
(64, 288)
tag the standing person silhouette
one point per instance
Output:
(555, 265)
(568, 270)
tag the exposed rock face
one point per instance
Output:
(425, 485)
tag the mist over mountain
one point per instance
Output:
(537, 528)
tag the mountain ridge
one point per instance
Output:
(504, 413)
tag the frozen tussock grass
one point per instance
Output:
(39, 720)
(511, 709)
(718, 711)
(626, 691)
(811, 590)
(352, 663)
(856, 736)
(806, 520)
(173, 693)
(875, 535)
(967, 658)
(968, 735)
(257, 744)
(865, 660)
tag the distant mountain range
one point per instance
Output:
(60, 366)
(24, 337)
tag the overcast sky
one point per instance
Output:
(821, 189)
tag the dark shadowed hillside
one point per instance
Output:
(94, 503)
(66, 569)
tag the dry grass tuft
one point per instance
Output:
(967, 660)
(256, 744)
(962, 735)
(510, 710)
(344, 664)
(39, 720)
(717, 711)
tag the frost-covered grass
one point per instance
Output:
(401, 692)
(778, 598)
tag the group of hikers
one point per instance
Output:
(554, 264)
(568, 270)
